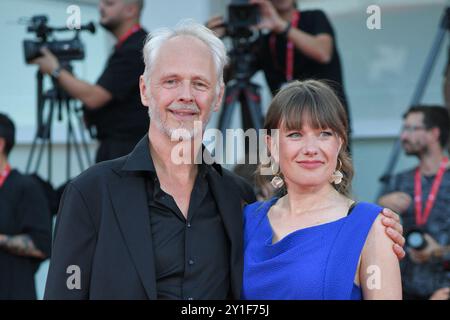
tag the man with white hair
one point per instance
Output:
(141, 226)
(144, 226)
(112, 105)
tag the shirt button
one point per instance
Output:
(191, 262)
(188, 224)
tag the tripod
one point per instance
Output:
(241, 90)
(48, 101)
(418, 93)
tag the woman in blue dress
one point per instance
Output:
(314, 242)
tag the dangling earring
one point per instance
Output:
(337, 175)
(276, 182)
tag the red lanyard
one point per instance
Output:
(289, 49)
(421, 219)
(4, 174)
(127, 34)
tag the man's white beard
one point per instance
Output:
(182, 132)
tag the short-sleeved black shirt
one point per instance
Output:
(23, 210)
(124, 117)
(313, 22)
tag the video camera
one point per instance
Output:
(241, 16)
(64, 50)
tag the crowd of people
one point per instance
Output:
(137, 225)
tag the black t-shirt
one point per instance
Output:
(23, 210)
(313, 22)
(124, 117)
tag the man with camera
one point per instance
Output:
(422, 195)
(111, 105)
(299, 45)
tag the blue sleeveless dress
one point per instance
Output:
(313, 263)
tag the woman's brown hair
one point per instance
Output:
(316, 102)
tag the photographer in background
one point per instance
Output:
(422, 196)
(299, 45)
(111, 105)
(25, 224)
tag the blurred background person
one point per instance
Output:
(25, 224)
(112, 105)
(298, 45)
(422, 196)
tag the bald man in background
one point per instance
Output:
(112, 105)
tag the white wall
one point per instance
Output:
(159, 13)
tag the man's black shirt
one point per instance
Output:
(187, 265)
(124, 117)
(184, 261)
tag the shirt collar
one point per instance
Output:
(140, 159)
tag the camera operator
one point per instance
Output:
(112, 105)
(25, 224)
(299, 45)
(422, 195)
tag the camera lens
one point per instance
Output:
(416, 240)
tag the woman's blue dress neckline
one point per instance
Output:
(317, 262)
